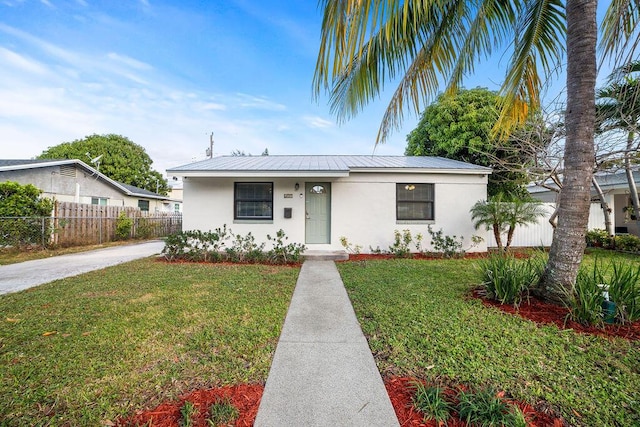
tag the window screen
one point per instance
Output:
(414, 201)
(253, 200)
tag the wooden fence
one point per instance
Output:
(82, 224)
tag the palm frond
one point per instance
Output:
(620, 36)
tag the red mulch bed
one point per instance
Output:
(400, 392)
(541, 312)
(246, 398)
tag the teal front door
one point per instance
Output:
(318, 212)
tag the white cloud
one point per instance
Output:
(260, 103)
(15, 60)
(129, 62)
(316, 122)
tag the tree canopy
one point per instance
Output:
(460, 127)
(122, 160)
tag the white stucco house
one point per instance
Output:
(318, 199)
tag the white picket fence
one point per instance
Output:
(541, 234)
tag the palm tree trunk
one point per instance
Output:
(497, 236)
(567, 248)
(512, 229)
(633, 191)
(606, 210)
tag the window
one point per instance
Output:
(143, 205)
(101, 201)
(414, 201)
(253, 200)
(176, 207)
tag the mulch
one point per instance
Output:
(542, 312)
(246, 398)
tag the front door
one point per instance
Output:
(318, 212)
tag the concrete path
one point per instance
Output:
(323, 373)
(16, 277)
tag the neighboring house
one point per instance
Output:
(318, 199)
(616, 190)
(75, 181)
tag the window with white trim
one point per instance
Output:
(100, 201)
(414, 202)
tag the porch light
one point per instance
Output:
(297, 186)
(409, 187)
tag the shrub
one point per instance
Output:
(25, 203)
(448, 246)
(222, 412)
(350, 248)
(282, 253)
(222, 245)
(431, 402)
(506, 279)
(485, 408)
(624, 291)
(627, 242)
(598, 238)
(585, 304)
(401, 244)
(188, 411)
(124, 224)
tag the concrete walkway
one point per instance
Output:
(16, 277)
(323, 373)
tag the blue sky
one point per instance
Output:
(168, 73)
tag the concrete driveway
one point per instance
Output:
(16, 277)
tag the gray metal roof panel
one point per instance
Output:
(323, 163)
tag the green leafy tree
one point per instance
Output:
(23, 202)
(122, 160)
(424, 43)
(460, 127)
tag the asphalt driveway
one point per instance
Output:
(16, 277)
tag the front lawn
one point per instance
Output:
(85, 350)
(421, 323)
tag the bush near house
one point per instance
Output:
(221, 245)
(19, 201)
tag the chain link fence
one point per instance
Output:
(84, 230)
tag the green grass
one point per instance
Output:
(420, 322)
(12, 256)
(131, 336)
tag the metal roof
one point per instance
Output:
(338, 165)
(129, 190)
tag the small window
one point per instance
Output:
(143, 205)
(100, 201)
(176, 207)
(253, 200)
(414, 201)
(318, 189)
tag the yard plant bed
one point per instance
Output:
(538, 311)
(246, 398)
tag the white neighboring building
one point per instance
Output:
(318, 199)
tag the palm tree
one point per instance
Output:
(500, 216)
(618, 109)
(365, 43)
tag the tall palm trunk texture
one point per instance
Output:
(568, 244)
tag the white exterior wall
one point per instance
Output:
(363, 207)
